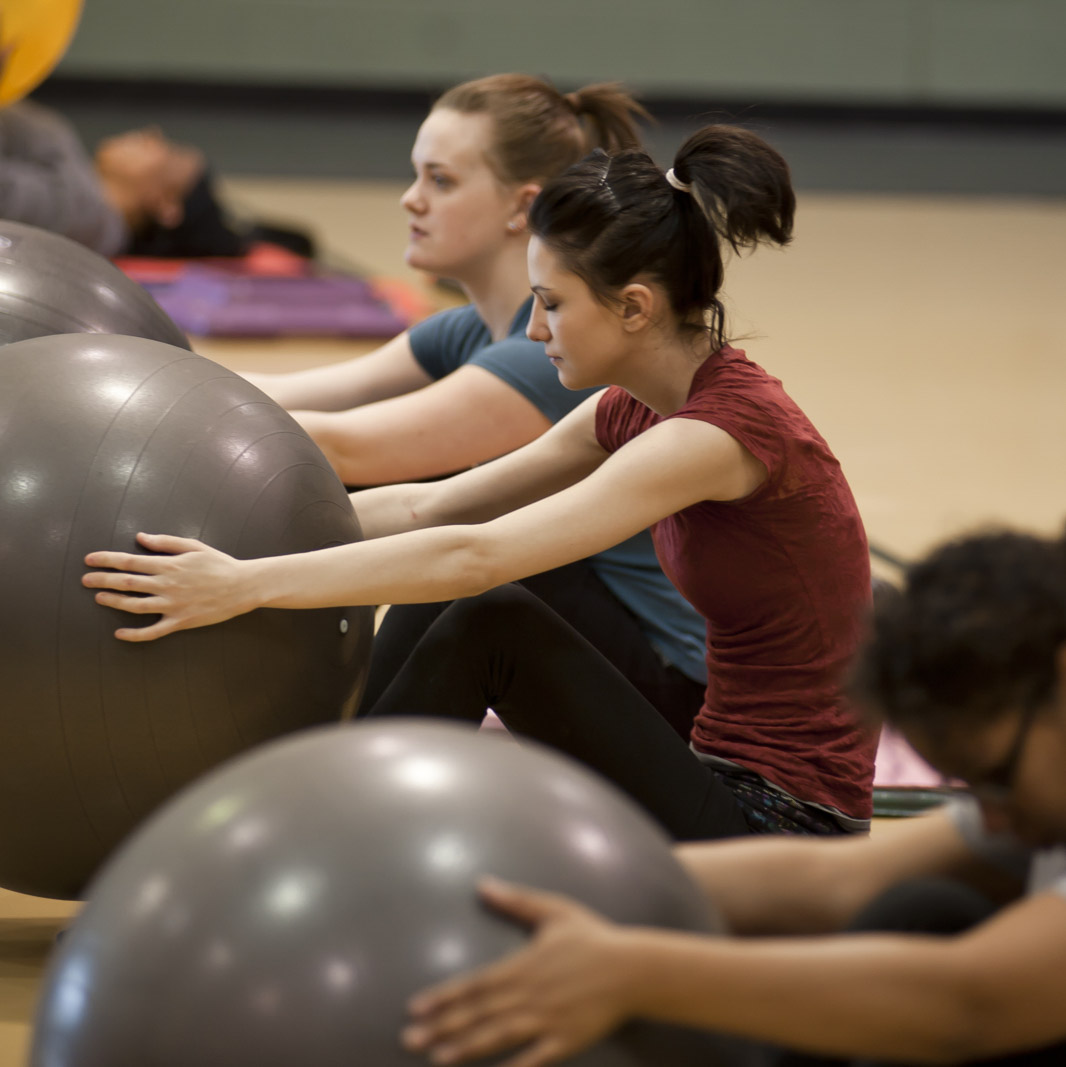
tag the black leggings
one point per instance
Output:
(926, 906)
(576, 593)
(507, 650)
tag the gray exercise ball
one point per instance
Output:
(284, 909)
(50, 284)
(102, 436)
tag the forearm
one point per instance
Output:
(421, 566)
(779, 885)
(903, 999)
(345, 450)
(478, 495)
(314, 389)
(388, 371)
(362, 451)
(442, 562)
(463, 499)
(391, 509)
(773, 885)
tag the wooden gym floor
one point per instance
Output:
(924, 336)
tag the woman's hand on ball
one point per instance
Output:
(562, 993)
(186, 582)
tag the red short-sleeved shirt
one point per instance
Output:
(783, 579)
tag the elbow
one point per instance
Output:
(360, 458)
(345, 452)
(480, 575)
(352, 473)
(980, 1037)
(951, 1050)
(473, 568)
(948, 1050)
(966, 1031)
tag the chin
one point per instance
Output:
(573, 382)
(418, 260)
(413, 258)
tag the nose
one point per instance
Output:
(412, 199)
(537, 330)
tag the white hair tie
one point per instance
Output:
(677, 183)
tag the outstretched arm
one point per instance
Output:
(467, 417)
(910, 999)
(563, 456)
(658, 473)
(388, 371)
(791, 885)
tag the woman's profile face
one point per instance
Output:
(458, 209)
(582, 336)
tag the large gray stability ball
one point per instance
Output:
(284, 909)
(50, 284)
(103, 436)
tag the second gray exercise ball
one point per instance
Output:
(103, 436)
(50, 284)
(283, 910)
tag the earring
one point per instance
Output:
(512, 226)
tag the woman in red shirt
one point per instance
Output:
(752, 518)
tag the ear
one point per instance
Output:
(168, 212)
(524, 197)
(638, 305)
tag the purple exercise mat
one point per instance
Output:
(211, 302)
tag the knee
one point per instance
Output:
(498, 610)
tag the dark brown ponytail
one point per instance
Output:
(741, 183)
(614, 217)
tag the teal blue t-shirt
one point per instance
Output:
(458, 337)
(451, 339)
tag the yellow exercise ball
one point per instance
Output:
(34, 34)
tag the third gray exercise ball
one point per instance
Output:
(50, 284)
(282, 910)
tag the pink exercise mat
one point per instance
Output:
(898, 764)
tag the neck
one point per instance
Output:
(662, 373)
(498, 288)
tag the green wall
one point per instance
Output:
(910, 52)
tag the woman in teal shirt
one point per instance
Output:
(466, 385)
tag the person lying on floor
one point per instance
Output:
(138, 194)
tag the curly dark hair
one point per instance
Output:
(974, 633)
